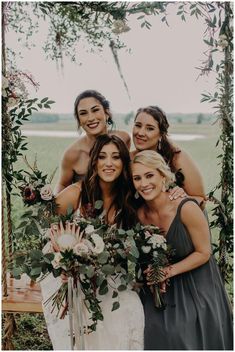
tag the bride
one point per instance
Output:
(107, 179)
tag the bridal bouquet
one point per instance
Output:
(155, 254)
(93, 256)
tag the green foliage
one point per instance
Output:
(31, 333)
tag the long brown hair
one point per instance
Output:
(122, 187)
(167, 150)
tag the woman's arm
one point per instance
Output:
(194, 220)
(68, 197)
(193, 182)
(66, 174)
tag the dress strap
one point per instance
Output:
(185, 200)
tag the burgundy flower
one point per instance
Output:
(29, 194)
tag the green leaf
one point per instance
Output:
(103, 257)
(115, 294)
(99, 280)
(116, 305)
(108, 269)
(49, 257)
(36, 254)
(16, 272)
(90, 272)
(36, 271)
(44, 100)
(98, 204)
(134, 252)
(103, 288)
(122, 288)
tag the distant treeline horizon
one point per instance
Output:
(197, 117)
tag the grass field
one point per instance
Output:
(32, 333)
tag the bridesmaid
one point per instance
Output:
(150, 133)
(92, 113)
(198, 314)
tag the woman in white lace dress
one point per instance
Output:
(107, 179)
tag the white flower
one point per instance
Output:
(157, 241)
(222, 41)
(48, 248)
(56, 261)
(46, 192)
(146, 249)
(89, 229)
(81, 249)
(66, 241)
(120, 26)
(99, 243)
(147, 234)
(88, 244)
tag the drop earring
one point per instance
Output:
(136, 195)
(159, 145)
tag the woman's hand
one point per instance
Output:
(177, 192)
(163, 280)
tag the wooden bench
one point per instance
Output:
(22, 296)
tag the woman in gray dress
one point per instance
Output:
(197, 315)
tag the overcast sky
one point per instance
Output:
(160, 70)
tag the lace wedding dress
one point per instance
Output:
(121, 329)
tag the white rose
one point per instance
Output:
(66, 241)
(81, 249)
(56, 261)
(88, 244)
(99, 243)
(46, 192)
(89, 229)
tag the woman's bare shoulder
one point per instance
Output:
(72, 152)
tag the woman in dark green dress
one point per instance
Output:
(198, 313)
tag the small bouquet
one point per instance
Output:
(37, 195)
(155, 254)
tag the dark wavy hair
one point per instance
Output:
(167, 150)
(98, 96)
(122, 187)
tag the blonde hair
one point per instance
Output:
(154, 160)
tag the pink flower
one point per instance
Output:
(46, 192)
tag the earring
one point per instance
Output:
(109, 121)
(136, 195)
(159, 146)
(163, 186)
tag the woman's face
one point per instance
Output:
(146, 132)
(92, 117)
(109, 163)
(148, 182)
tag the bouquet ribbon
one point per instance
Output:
(76, 325)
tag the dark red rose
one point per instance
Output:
(29, 194)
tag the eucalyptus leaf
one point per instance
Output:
(108, 269)
(98, 204)
(103, 257)
(116, 305)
